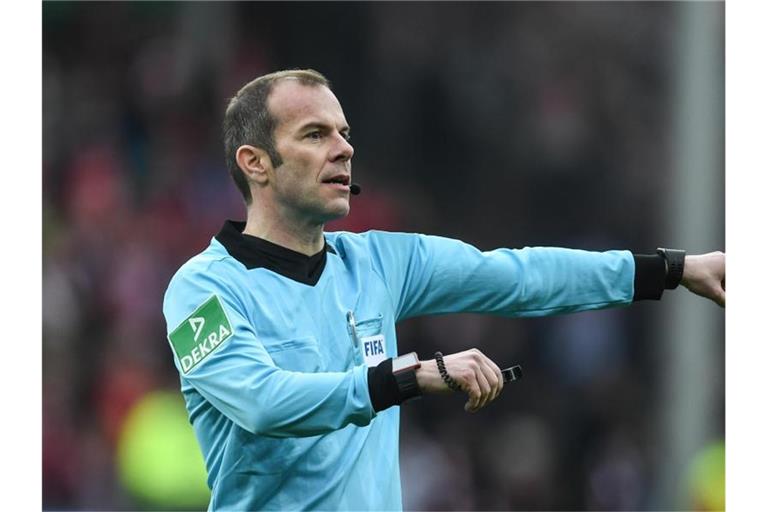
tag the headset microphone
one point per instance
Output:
(355, 189)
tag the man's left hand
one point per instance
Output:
(704, 274)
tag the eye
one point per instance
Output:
(314, 135)
(347, 136)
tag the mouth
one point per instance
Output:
(341, 180)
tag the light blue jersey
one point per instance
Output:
(274, 370)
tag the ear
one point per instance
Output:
(254, 162)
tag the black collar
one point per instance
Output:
(255, 252)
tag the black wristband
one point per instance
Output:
(382, 386)
(387, 389)
(444, 373)
(650, 273)
(675, 259)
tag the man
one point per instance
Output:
(284, 335)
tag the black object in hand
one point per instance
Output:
(512, 373)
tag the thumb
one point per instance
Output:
(720, 297)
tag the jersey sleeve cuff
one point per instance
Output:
(650, 273)
(382, 386)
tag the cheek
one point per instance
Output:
(298, 186)
(293, 175)
(303, 168)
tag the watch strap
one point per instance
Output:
(675, 259)
(407, 384)
(404, 370)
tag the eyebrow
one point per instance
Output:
(321, 125)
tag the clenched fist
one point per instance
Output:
(704, 274)
(477, 376)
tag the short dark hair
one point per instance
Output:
(248, 120)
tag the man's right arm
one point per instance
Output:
(217, 351)
(471, 370)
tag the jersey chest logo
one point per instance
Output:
(373, 348)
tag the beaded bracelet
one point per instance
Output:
(444, 374)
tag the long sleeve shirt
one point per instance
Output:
(273, 349)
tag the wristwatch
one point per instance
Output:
(675, 259)
(404, 370)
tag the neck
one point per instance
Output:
(294, 235)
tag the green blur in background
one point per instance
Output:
(159, 461)
(706, 478)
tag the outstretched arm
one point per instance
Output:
(704, 274)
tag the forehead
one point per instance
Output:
(294, 105)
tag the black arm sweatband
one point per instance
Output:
(382, 386)
(650, 274)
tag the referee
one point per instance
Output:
(284, 334)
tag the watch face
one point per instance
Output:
(404, 362)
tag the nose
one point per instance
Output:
(343, 150)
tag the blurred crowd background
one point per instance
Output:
(502, 124)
